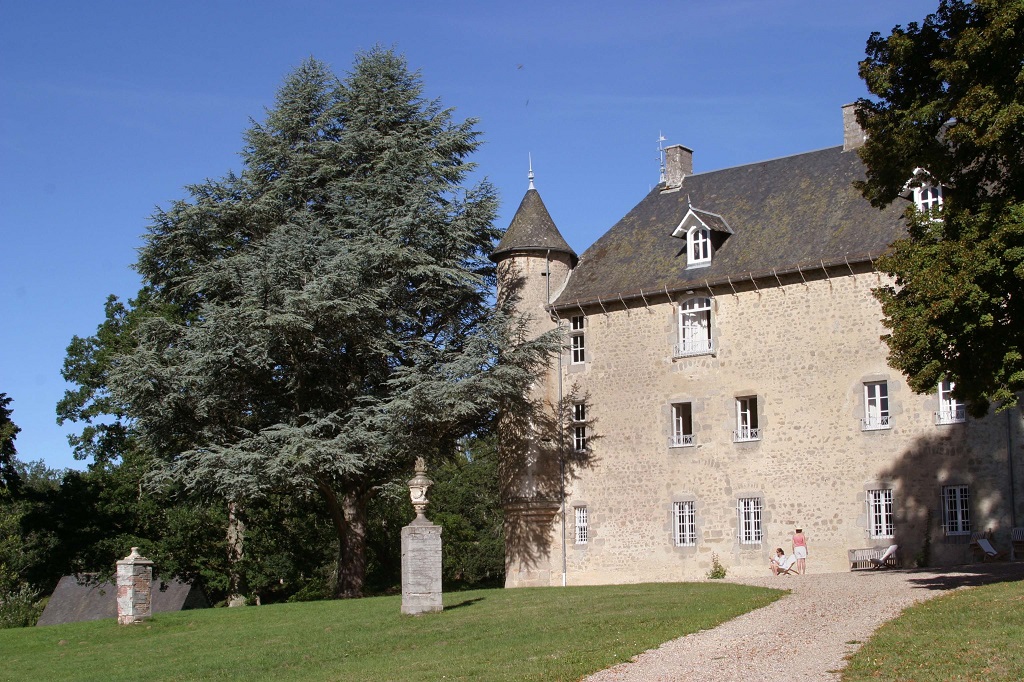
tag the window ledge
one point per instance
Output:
(875, 425)
(688, 350)
(749, 436)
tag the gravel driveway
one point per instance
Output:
(806, 634)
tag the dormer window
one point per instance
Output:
(928, 198)
(698, 246)
(705, 232)
(928, 193)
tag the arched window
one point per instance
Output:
(698, 246)
(928, 198)
(694, 327)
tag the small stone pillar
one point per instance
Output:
(421, 552)
(134, 588)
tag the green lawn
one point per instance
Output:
(522, 634)
(975, 634)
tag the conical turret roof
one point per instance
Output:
(532, 229)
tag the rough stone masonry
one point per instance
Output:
(134, 588)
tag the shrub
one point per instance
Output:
(19, 608)
(717, 571)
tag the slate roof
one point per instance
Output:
(73, 602)
(532, 229)
(798, 211)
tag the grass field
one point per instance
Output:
(522, 634)
(975, 634)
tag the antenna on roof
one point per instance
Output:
(530, 176)
(661, 157)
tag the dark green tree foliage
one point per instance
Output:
(465, 500)
(23, 550)
(8, 453)
(105, 435)
(948, 109)
(388, 512)
(331, 305)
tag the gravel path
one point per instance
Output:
(805, 635)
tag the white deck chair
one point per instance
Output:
(788, 567)
(880, 562)
(990, 552)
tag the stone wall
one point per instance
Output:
(805, 349)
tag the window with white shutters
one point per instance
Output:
(694, 328)
(682, 425)
(876, 406)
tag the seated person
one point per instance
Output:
(781, 563)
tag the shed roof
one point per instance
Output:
(76, 600)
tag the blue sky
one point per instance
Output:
(107, 109)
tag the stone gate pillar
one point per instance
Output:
(134, 588)
(421, 552)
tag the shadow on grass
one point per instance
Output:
(948, 578)
(467, 602)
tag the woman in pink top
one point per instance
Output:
(800, 550)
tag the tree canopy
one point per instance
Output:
(315, 322)
(8, 452)
(948, 110)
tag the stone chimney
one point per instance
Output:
(678, 164)
(853, 135)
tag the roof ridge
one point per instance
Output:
(770, 160)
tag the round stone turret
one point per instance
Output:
(533, 231)
(534, 266)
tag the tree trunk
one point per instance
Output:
(352, 551)
(236, 543)
(348, 513)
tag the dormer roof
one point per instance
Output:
(696, 216)
(532, 229)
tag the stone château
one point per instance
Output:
(724, 346)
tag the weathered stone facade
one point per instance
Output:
(804, 343)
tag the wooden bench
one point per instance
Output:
(1017, 538)
(979, 553)
(860, 559)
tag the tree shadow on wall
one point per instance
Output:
(972, 454)
(539, 452)
(539, 458)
